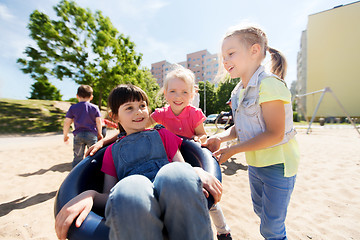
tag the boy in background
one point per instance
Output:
(87, 120)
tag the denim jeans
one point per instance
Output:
(81, 140)
(138, 209)
(270, 193)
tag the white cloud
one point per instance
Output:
(164, 51)
(5, 13)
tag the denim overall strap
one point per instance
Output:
(140, 153)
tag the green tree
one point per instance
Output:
(44, 90)
(82, 46)
(223, 92)
(210, 93)
(216, 97)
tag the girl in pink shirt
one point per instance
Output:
(180, 117)
(185, 120)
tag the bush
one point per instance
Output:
(295, 117)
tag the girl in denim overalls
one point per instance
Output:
(143, 193)
(261, 105)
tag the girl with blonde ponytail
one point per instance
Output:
(262, 112)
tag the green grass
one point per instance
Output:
(29, 116)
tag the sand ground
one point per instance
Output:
(325, 203)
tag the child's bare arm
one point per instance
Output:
(80, 206)
(102, 142)
(66, 128)
(200, 133)
(178, 157)
(99, 128)
(211, 185)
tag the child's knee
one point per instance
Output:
(176, 174)
(131, 188)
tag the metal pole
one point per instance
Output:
(342, 107)
(205, 97)
(316, 109)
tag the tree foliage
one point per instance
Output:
(43, 89)
(217, 96)
(82, 46)
(210, 96)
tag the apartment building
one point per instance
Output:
(202, 63)
(159, 70)
(329, 57)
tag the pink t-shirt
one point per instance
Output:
(171, 143)
(184, 124)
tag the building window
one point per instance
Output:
(189, 59)
(189, 65)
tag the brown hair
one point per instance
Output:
(122, 94)
(85, 91)
(254, 35)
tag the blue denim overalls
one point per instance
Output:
(140, 153)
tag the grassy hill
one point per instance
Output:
(31, 116)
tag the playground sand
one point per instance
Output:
(325, 203)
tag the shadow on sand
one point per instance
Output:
(24, 202)
(63, 167)
(231, 167)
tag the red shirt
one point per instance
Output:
(184, 124)
(171, 143)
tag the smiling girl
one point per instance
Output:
(147, 185)
(263, 118)
(185, 120)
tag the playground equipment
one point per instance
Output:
(323, 91)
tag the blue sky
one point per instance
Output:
(161, 29)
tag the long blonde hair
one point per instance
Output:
(254, 35)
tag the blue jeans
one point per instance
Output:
(270, 193)
(81, 140)
(138, 209)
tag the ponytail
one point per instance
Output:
(278, 63)
(253, 35)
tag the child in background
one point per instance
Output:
(185, 120)
(140, 185)
(87, 120)
(262, 111)
(196, 100)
